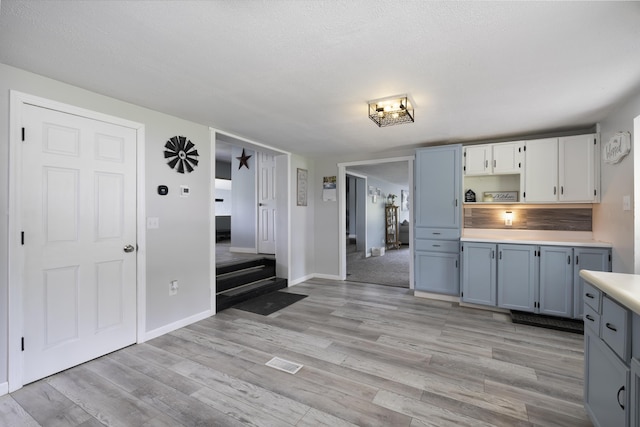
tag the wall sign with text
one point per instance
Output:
(617, 148)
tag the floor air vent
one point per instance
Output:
(284, 365)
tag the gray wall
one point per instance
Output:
(610, 222)
(243, 203)
(179, 249)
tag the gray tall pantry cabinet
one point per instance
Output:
(438, 219)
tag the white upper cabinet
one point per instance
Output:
(541, 170)
(507, 157)
(493, 159)
(578, 161)
(562, 169)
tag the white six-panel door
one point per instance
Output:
(266, 204)
(78, 214)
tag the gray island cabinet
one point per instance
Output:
(612, 348)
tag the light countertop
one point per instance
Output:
(527, 237)
(624, 288)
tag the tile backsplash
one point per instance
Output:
(529, 217)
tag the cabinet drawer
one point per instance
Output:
(437, 233)
(592, 297)
(431, 245)
(615, 327)
(591, 320)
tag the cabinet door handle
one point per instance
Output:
(493, 254)
(568, 259)
(588, 317)
(554, 190)
(562, 189)
(620, 390)
(436, 246)
(494, 163)
(612, 327)
(588, 295)
(486, 164)
(500, 254)
(435, 233)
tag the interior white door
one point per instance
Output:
(266, 204)
(78, 203)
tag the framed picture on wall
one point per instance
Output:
(404, 200)
(302, 187)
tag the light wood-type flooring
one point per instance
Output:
(372, 355)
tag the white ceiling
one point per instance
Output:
(296, 75)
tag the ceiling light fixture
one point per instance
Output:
(391, 111)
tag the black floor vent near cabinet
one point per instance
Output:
(549, 322)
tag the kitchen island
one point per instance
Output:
(612, 348)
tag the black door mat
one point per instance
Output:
(269, 303)
(549, 322)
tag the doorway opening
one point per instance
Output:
(375, 247)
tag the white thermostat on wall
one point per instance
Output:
(184, 191)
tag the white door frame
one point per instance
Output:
(342, 216)
(16, 252)
(366, 180)
(283, 225)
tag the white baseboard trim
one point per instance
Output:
(325, 276)
(438, 297)
(300, 280)
(4, 388)
(244, 250)
(176, 325)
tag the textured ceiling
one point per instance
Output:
(296, 75)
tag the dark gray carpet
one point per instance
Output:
(269, 303)
(391, 269)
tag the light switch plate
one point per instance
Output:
(153, 222)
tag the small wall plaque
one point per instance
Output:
(617, 148)
(501, 196)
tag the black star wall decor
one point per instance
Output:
(244, 160)
(182, 154)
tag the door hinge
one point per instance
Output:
(519, 165)
(464, 154)
(22, 134)
(595, 141)
(461, 248)
(464, 168)
(22, 343)
(22, 238)
(525, 148)
(462, 294)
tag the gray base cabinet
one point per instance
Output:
(517, 277)
(479, 273)
(595, 259)
(531, 278)
(437, 272)
(635, 393)
(556, 281)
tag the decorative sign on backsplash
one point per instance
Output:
(617, 148)
(500, 196)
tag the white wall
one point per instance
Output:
(302, 249)
(179, 249)
(610, 222)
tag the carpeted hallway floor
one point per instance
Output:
(391, 269)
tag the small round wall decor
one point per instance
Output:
(181, 153)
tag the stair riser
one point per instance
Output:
(223, 269)
(223, 302)
(249, 277)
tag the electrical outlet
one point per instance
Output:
(173, 287)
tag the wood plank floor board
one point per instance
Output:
(103, 400)
(348, 408)
(373, 356)
(48, 406)
(12, 414)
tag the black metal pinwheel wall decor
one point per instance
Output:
(181, 153)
